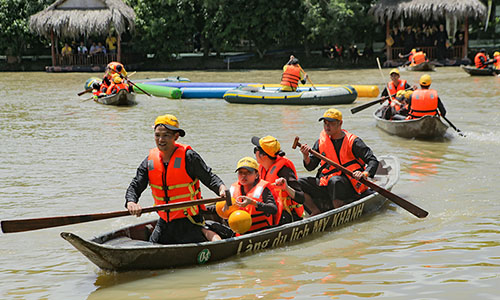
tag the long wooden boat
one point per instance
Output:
(128, 249)
(425, 66)
(426, 127)
(249, 95)
(122, 98)
(473, 71)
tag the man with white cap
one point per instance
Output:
(174, 171)
(331, 188)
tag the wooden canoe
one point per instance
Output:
(473, 71)
(425, 66)
(427, 127)
(122, 98)
(249, 95)
(128, 249)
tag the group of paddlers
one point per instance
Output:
(407, 102)
(483, 61)
(114, 80)
(267, 193)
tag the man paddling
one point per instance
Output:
(331, 188)
(396, 84)
(177, 169)
(425, 101)
(292, 73)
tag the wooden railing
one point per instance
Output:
(84, 59)
(453, 52)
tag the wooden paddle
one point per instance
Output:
(460, 133)
(20, 225)
(84, 92)
(310, 81)
(128, 80)
(371, 103)
(410, 207)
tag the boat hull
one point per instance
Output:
(333, 96)
(427, 127)
(122, 98)
(425, 66)
(127, 249)
(473, 71)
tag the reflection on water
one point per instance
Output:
(62, 156)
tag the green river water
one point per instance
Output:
(60, 155)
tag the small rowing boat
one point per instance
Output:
(333, 96)
(473, 71)
(129, 249)
(425, 66)
(426, 127)
(122, 98)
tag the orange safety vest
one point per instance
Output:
(477, 60)
(104, 87)
(116, 87)
(393, 89)
(291, 76)
(423, 102)
(259, 219)
(347, 160)
(112, 66)
(418, 58)
(179, 185)
(281, 196)
(497, 63)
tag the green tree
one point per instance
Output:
(15, 34)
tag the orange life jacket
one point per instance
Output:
(113, 66)
(418, 58)
(347, 160)
(116, 87)
(497, 63)
(411, 56)
(104, 87)
(393, 89)
(179, 185)
(291, 76)
(423, 102)
(477, 60)
(259, 219)
(281, 196)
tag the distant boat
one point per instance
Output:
(473, 71)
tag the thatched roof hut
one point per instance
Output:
(75, 18)
(386, 11)
(426, 10)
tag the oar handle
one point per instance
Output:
(134, 85)
(410, 207)
(310, 81)
(84, 92)
(20, 225)
(371, 103)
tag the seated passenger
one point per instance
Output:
(254, 195)
(425, 101)
(277, 169)
(117, 85)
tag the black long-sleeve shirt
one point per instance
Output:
(292, 182)
(195, 168)
(359, 149)
(441, 108)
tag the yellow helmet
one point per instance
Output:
(240, 221)
(408, 94)
(496, 53)
(225, 214)
(414, 50)
(117, 78)
(400, 93)
(425, 80)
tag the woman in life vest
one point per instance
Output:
(174, 172)
(425, 101)
(277, 169)
(254, 195)
(292, 73)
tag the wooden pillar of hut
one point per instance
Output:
(388, 52)
(119, 48)
(466, 37)
(52, 47)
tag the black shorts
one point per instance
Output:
(339, 187)
(178, 231)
